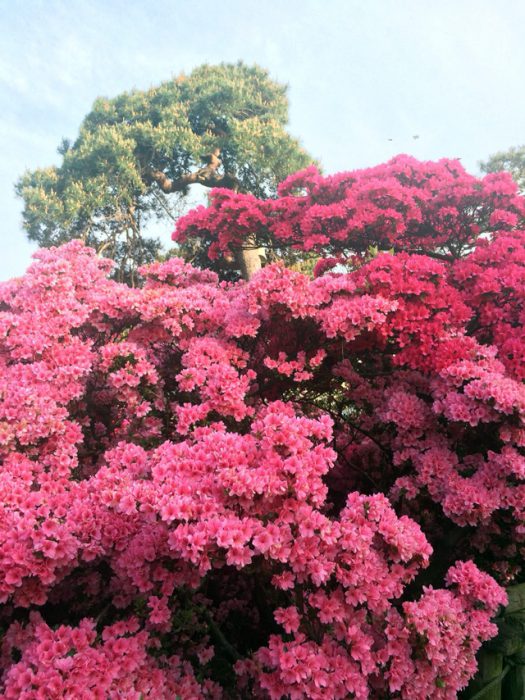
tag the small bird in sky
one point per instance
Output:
(415, 137)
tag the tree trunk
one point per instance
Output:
(249, 259)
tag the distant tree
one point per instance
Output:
(137, 155)
(512, 160)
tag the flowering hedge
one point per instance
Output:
(285, 488)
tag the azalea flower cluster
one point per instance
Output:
(404, 204)
(285, 488)
(76, 662)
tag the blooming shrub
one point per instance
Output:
(285, 488)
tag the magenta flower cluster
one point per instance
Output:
(286, 488)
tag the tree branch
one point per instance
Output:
(215, 630)
(206, 176)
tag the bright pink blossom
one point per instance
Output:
(214, 489)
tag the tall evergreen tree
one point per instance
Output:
(137, 155)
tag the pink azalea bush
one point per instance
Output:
(281, 488)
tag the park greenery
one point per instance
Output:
(512, 160)
(229, 479)
(137, 155)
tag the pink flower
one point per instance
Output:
(289, 618)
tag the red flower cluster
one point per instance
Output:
(219, 489)
(404, 204)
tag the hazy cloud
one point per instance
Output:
(359, 73)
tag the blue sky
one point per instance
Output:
(360, 72)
